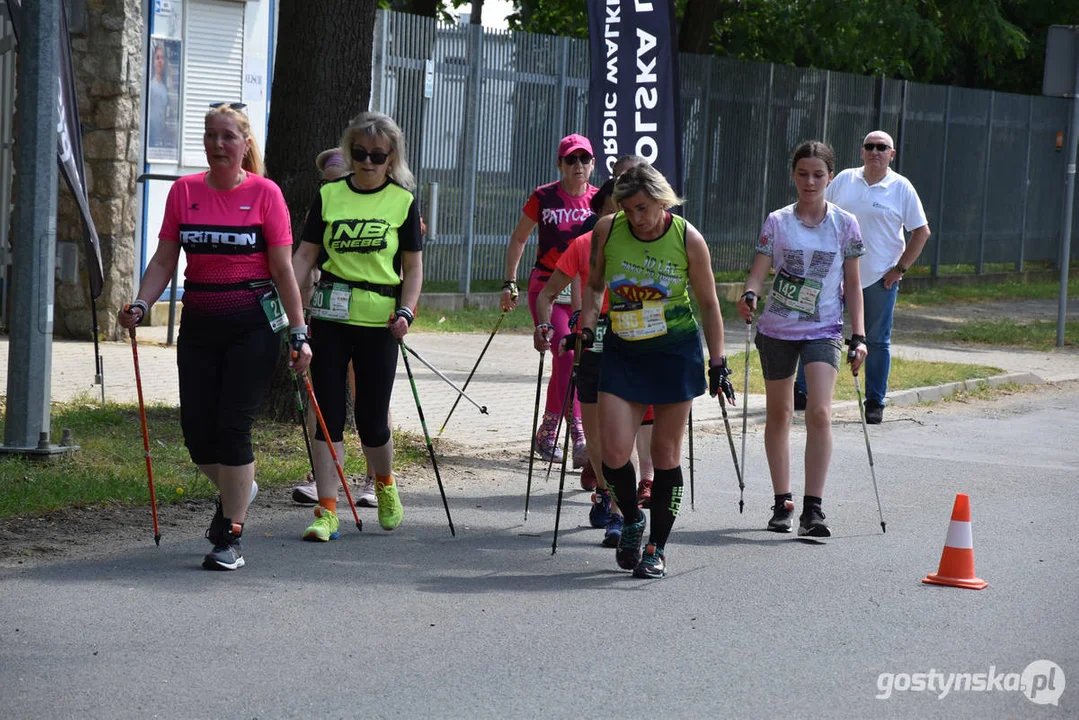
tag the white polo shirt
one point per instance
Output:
(883, 210)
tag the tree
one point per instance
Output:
(316, 90)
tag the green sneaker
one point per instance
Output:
(325, 526)
(390, 512)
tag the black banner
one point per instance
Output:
(634, 104)
(69, 145)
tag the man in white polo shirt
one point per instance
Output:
(885, 204)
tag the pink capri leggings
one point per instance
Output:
(561, 365)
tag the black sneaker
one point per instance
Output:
(811, 523)
(653, 564)
(228, 554)
(628, 553)
(874, 412)
(800, 400)
(781, 517)
(217, 533)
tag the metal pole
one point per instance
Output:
(880, 104)
(824, 108)
(979, 266)
(943, 178)
(34, 238)
(432, 212)
(1069, 203)
(1026, 188)
(902, 126)
(7, 105)
(563, 81)
(472, 128)
(704, 147)
(767, 141)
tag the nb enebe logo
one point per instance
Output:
(362, 236)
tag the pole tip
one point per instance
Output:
(741, 507)
(483, 411)
(883, 529)
(359, 525)
(157, 540)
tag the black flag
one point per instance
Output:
(69, 145)
(634, 101)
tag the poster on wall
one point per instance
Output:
(163, 102)
(168, 19)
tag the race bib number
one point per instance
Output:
(796, 293)
(641, 323)
(566, 296)
(330, 302)
(275, 311)
(601, 330)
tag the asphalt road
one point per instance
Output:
(489, 624)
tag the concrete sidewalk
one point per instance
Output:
(505, 382)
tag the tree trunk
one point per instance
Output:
(477, 12)
(698, 23)
(322, 78)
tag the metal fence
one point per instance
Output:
(483, 111)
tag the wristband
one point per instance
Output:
(139, 303)
(405, 312)
(298, 330)
(545, 327)
(854, 342)
(297, 340)
(511, 285)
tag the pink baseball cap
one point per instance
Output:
(574, 142)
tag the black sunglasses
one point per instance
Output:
(584, 159)
(233, 105)
(881, 147)
(359, 154)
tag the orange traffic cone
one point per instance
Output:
(957, 562)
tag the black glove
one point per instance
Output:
(751, 299)
(297, 340)
(511, 285)
(574, 319)
(719, 379)
(587, 336)
(406, 313)
(852, 345)
(143, 309)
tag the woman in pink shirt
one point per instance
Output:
(239, 293)
(560, 209)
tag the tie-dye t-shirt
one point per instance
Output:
(805, 299)
(560, 217)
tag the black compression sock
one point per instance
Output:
(810, 500)
(666, 500)
(623, 484)
(783, 497)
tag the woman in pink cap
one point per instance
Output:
(560, 209)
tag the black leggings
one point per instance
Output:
(225, 364)
(373, 352)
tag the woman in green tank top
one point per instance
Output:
(648, 258)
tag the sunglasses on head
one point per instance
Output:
(880, 147)
(584, 159)
(233, 105)
(359, 154)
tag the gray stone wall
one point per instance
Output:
(109, 69)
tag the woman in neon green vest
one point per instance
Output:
(647, 258)
(368, 224)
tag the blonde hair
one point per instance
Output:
(643, 176)
(373, 124)
(252, 161)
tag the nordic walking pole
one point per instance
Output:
(145, 432)
(303, 424)
(535, 426)
(469, 378)
(566, 446)
(691, 503)
(333, 453)
(426, 435)
(745, 417)
(734, 454)
(567, 402)
(869, 450)
(432, 368)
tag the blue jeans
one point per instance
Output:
(879, 310)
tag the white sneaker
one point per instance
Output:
(254, 492)
(305, 493)
(367, 495)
